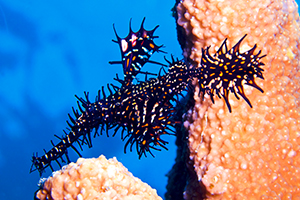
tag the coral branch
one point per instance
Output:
(95, 179)
(251, 152)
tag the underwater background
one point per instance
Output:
(52, 50)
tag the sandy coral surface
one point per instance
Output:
(95, 179)
(251, 153)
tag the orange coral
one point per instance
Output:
(249, 153)
(95, 179)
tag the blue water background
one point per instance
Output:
(52, 50)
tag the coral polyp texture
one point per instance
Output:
(250, 153)
(92, 179)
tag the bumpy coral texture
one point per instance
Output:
(249, 153)
(92, 179)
